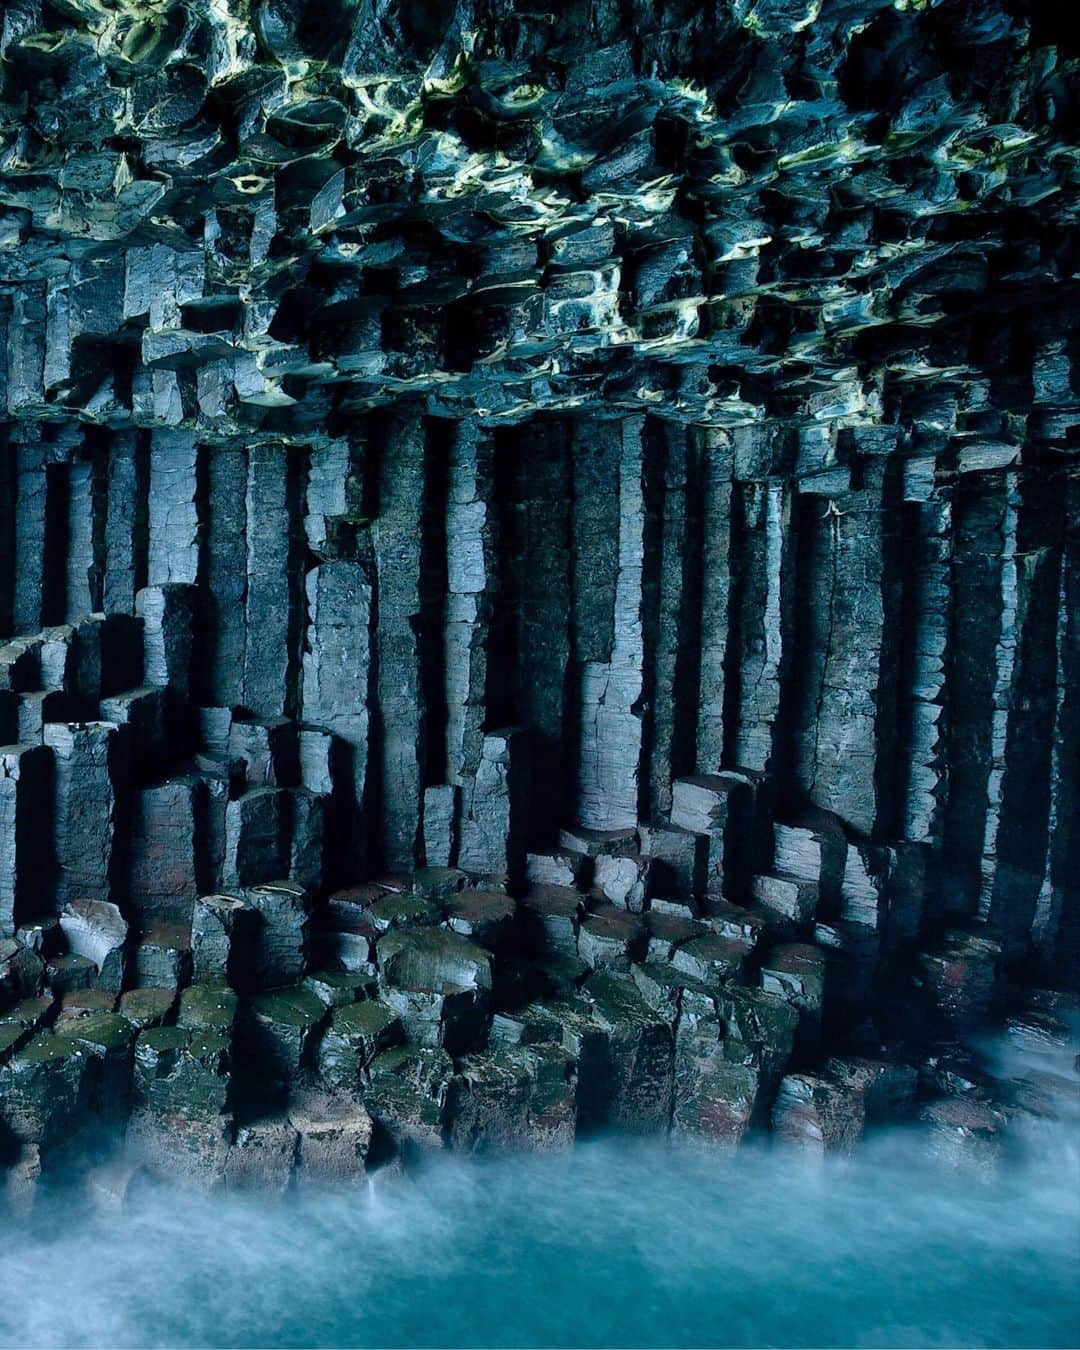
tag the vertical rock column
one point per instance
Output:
(715, 595)
(493, 802)
(671, 610)
(543, 644)
(90, 773)
(757, 656)
(84, 533)
(928, 546)
(1016, 837)
(126, 523)
(336, 669)
(174, 519)
(26, 350)
(1056, 926)
(25, 839)
(30, 499)
(271, 661)
(167, 616)
(396, 535)
(469, 546)
(224, 582)
(609, 632)
(838, 669)
(8, 482)
(983, 587)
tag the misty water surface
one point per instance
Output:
(621, 1243)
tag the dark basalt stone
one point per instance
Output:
(538, 576)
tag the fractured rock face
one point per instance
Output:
(97, 930)
(538, 579)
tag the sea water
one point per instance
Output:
(618, 1243)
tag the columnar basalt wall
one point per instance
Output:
(539, 583)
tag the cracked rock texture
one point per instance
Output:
(539, 584)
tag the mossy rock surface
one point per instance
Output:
(45, 1048)
(147, 1007)
(162, 1040)
(29, 1012)
(209, 1006)
(336, 987)
(402, 910)
(10, 1036)
(434, 960)
(293, 1007)
(100, 1033)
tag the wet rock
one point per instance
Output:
(513, 1098)
(106, 1038)
(334, 1136)
(254, 844)
(493, 805)
(484, 916)
(624, 880)
(797, 972)
(25, 788)
(433, 960)
(1036, 1031)
(282, 1030)
(716, 805)
(964, 1133)
(667, 931)
(639, 1055)
(281, 938)
(715, 1101)
(610, 938)
(162, 956)
(488, 1102)
(736, 921)
(356, 1034)
(166, 613)
(85, 1002)
(44, 1089)
(262, 1155)
(561, 867)
(818, 1114)
(962, 974)
(68, 972)
(223, 930)
(407, 1094)
(147, 1007)
(181, 1072)
(711, 958)
(760, 1028)
(679, 859)
(625, 492)
(161, 862)
(552, 914)
(208, 1007)
(21, 1181)
(398, 909)
(97, 930)
(792, 898)
(21, 971)
(335, 988)
(90, 763)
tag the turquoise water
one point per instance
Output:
(617, 1244)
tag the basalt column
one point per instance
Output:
(538, 573)
(396, 786)
(608, 554)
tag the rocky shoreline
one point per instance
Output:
(539, 582)
(411, 1015)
